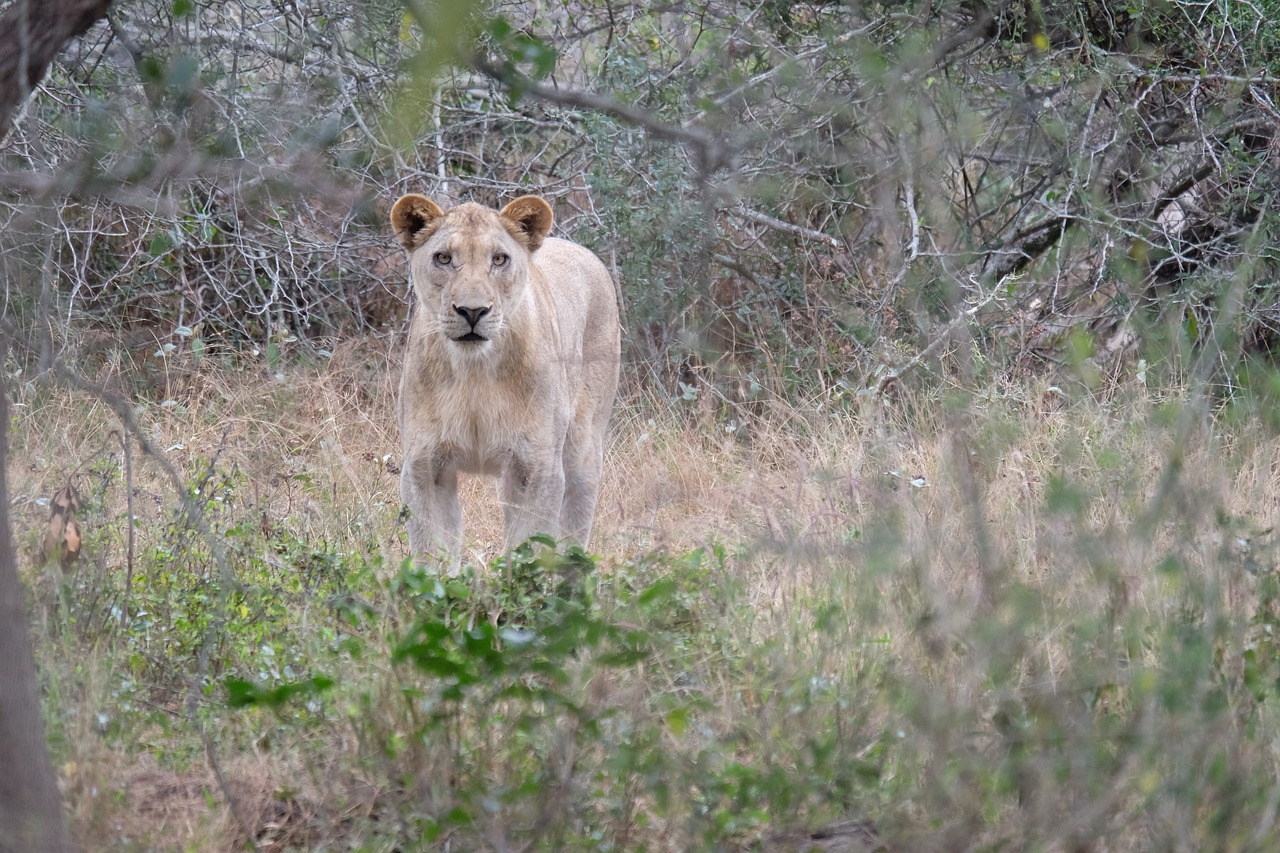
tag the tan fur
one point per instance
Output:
(527, 402)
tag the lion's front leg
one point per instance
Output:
(429, 487)
(581, 492)
(531, 498)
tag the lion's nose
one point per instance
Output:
(471, 315)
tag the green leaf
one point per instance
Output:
(660, 590)
(678, 721)
(623, 657)
(500, 28)
(161, 244)
(150, 69)
(1063, 497)
(183, 73)
(456, 590)
(521, 48)
(241, 693)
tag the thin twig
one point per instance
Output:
(893, 373)
(126, 444)
(785, 227)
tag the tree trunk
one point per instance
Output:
(31, 34)
(30, 806)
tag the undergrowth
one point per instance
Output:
(1000, 619)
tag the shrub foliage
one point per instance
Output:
(780, 188)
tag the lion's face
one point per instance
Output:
(470, 265)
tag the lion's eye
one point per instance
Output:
(442, 258)
(500, 260)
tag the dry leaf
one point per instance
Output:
(62, 537)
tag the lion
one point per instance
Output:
(511, 371)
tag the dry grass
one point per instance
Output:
(980, 603)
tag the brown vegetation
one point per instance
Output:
(940, 497)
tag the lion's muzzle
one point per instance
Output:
(472, 316)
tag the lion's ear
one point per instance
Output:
(532, 218)
(411, 219)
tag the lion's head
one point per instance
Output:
(470, 264)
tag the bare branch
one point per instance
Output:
(711, 152)
(785, 227)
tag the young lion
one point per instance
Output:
(511, 370)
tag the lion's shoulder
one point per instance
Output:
(557, 251)
(578, 281)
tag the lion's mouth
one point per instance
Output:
(471, 336)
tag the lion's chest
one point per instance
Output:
(481, 434)
(479, 426)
